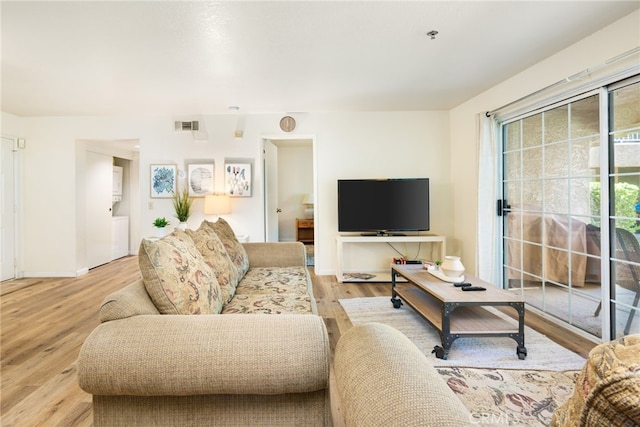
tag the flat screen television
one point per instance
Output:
(383, 206)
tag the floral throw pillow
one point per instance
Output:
(235, 250)
(607, 390)
(215, 255)
(176, 276)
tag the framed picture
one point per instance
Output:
(163, 181)
(238, 179)
(200, 179)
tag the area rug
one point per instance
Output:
(510, 397)
(473, 352)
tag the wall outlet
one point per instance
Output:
(150, 206)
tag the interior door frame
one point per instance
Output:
(270, 182)
(305, 137)
(126, 149)
(16, 205)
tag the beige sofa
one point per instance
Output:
(222, 367)
(384, 380)
(227, 368)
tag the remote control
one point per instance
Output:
(461, 285)
(473, 288)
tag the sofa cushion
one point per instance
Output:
(234, 248)
(176, 276)
(269, 304)
(215, 255)
(607, 391)
(274, 280)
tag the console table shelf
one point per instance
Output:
(343, 274)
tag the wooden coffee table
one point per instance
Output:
(455, 313)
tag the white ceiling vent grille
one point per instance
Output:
(187, 126)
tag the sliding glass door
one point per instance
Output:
(555, 230)
(624, 212)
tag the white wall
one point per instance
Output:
(11, 125)
(378, 145)
(348, 145)
(52, 229)
(611, 41)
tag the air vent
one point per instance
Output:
(187, 126)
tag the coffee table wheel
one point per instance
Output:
(397, 302)
(440, 353)
(522, 352)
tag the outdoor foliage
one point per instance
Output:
(626, 197)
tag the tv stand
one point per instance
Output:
(377, 274)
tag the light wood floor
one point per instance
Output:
(45, 321)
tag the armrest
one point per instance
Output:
(167, 355)
(132, 300)
(383, 379)
(276, 254)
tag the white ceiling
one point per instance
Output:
(119, 57)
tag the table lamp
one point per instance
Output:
(308, 201)
(217, 204)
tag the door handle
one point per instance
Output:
(503, 207)
(278, 210)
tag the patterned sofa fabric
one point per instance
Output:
(607, 391)
(273, 290)
(176, 276)
(269, 304)
(215, 255)
(274, 280)
(234, 248)
(190, 272)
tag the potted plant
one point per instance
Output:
(160, 223)
(182, 206)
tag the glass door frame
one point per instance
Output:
(608, 175)
(605, 291)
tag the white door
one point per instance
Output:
(99, 188)
(7, 210)
(271, 191)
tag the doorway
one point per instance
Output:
(8, 209)
(289, 179)
(98, 244)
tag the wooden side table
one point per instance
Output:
(304, 230)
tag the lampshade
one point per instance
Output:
(307, 201)
(217, 204)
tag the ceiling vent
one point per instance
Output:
(187, 126)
